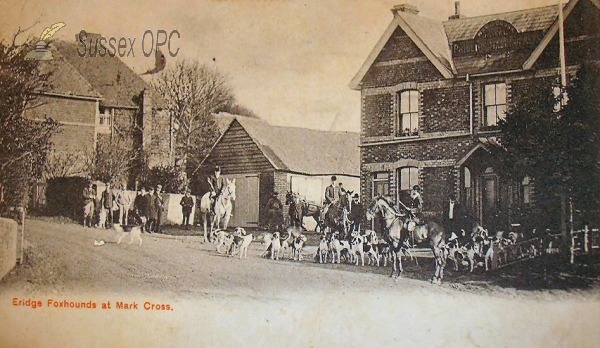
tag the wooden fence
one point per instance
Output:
(584, 241)
(505, 255)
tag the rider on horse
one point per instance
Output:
(332, 194)
(217, 184)
(415, 209)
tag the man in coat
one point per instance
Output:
(452, 214)
(217, 184)
(160, 203)
(357, 212)
(89, 197)
(107, 202)
(187, 204)
(140, 206)
(124, 202)
(275, 212)
(151, 200)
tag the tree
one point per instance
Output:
(112, 159)
(24, 143)
(559, 149)
(193, 93)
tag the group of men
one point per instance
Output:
(147, 207)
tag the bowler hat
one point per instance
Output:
(355, 196)
(417, 188)
(333, 178)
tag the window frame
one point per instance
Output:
(411, 112)
(375, 181)
(400, 192)
(496, 105)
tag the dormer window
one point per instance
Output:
(408, 113)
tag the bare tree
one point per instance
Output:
(112, 159)
(194, 92)
(24, 143)
(65, 164)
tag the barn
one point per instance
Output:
(264, 158)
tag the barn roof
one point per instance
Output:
(109, 76)
(302, 150)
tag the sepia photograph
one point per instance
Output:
(300, 173)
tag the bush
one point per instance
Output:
(64, 196)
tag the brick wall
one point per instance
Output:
(65, 110)
(73, 139)
(378, 118)
(389, 75)
(400, 46)
(422, 150)
(161, 140)
(445, 109)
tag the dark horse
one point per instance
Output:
(300, 208)
(398, 235)
(337, 216)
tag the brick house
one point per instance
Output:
(433, 91)
(95, 97)
(264, 158)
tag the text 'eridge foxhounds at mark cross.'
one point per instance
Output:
(97, 45)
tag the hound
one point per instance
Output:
(297, 247)
(323, 249)
(357, 247)
(335, 247)
(136, 232)
(243, 244)
(287, 244)
(275, 246)
(223, 238)
(267, 241)
(370, 246)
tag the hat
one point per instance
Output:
(217, 169)
(150, 188)
(275, 193)
(333, 178)
(159, 186)
(417, 188)
(355, 196)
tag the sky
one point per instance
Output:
(289, 61)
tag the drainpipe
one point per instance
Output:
(470, 105)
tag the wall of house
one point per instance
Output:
(77, 119)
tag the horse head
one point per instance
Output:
(230, 188)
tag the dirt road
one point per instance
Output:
(214, 300)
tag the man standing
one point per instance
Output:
(452, 214)
(89, 196)
(124, 202)
(107, 202)
(151, 200)
(140, 206)
(275, 212)
(187, 204)
(357, 211)
(160, 203)
(216, 183)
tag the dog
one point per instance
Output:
(135, 232)
(102, 218)
(267, 241)
(323, 249)
(275, 246)
(357, 248)
(383, 249)
(241, 243)
(287, 245)
(335, 247)
(223, 238)
(297, 247)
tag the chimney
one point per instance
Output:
(406, 8)
(456, 11)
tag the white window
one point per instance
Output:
(105, 117)
(408, 115)
(495, 104)
(381, 184)
(407, 178)
(468, 188)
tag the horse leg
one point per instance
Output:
(205, 218)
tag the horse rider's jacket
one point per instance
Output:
(217, 184)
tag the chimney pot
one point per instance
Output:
(406, 8)
(456, 14)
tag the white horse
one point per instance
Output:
(223, 208)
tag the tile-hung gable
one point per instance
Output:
(433, 92)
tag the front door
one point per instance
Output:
(489, 199)
(246, 204)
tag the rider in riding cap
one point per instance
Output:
(416, 205)
(332, 194)
(217, 184)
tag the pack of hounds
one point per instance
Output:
(470, 251)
